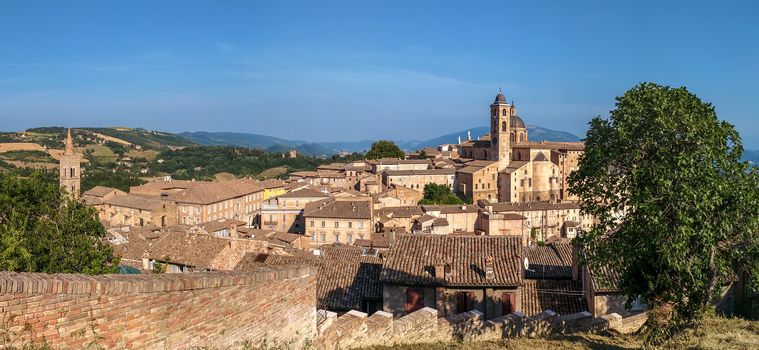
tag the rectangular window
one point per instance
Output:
(313, 237)
(324, 224)
(361, 224)
(350, 238)
(323, 237)
(337, 236)
(414, 299)
(311, 223)
(350, 224)
(337, 224)
(464, 302)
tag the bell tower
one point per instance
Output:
(70, 168)
(500, 120)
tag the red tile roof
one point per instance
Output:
(412, 260)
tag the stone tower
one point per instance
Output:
(500, 125)
(70, 170)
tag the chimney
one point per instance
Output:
(439, 272)
(489, 268)
(233, 231)
(145, 261)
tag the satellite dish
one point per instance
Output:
(526, 264)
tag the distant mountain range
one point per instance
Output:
(275, 144)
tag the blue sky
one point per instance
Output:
(350, 70)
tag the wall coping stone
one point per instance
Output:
(42, 283)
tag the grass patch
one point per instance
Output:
(713, 333)
(147, 154)
(272, 173)
(101, 153)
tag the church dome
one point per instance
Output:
(517, 122)
(500, 98)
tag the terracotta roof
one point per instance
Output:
(340, 285)
(304, 193)
(332, 166)
(196, 250)
(514, 166)
(508, 206)
(562, 297)
(412, 260)
(382, 242)
(401, 212)
(218, 225)
(134, 201)
(481, 163)
(99, 191)
(394, 161)
(551, 261)
(168, 185)
(451, 208)
(440, 222)
(348, 253)
(212, 192)
(339, 208)
(562, 146)
(448, 171)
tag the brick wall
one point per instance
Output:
(168, 311)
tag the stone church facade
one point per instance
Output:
(526, 171)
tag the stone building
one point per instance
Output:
(397, 196)
(70, 171)
(338, 220)
(98, 194)
(417, 179)
(285, 212)
(136, 210)
(478, 180)
(235, 199)
(541, 219)
(517, 170)
(453, 274)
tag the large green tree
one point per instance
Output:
(42, 230)
(677, 210)
(439, 194)
(385, 149)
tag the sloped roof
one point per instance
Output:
(99, 191)
(196, 250)
(212, 192)
(348, 253)
(304, 193)
(340, 285)
(551, 261)
(412, 260)
(563, 297)
(134, 201)
(401, 212)
(337, 208)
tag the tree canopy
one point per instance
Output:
(41, 230)
(385, 149)
(677, 209)
(439, 194)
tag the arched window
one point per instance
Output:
(521, 137)
(512, 138)
(73, 172)
(504, 127)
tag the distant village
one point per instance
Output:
(360, 226)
